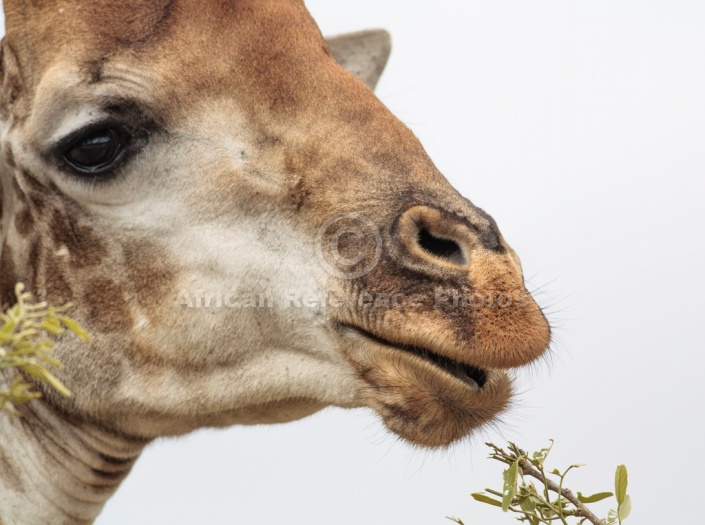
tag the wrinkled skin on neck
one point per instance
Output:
(252, 154)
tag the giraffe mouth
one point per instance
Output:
(470, 375)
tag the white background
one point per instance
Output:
(580, 126)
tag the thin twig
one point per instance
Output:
(581, 510)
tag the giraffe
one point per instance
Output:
(246, 231)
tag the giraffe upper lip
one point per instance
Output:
(471, 375)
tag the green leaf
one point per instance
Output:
(479, 496)
(75, 328)
(8, 329)
(611, 517)
(540, 456)
(528, 505)
(510, 482)
(624, 508)
(52, 326)
(620, 483)
(26, 344)
(595, 497)
(44, 375)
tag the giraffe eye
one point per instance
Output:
(96, 152)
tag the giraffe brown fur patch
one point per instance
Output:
(17, 192)
(8, 278)
(24, 221)
(106, 306)
(33, 194)
(57, 287)
(9, 158)
(10, 473)
(12, 83)
(151, 273)
(85, 247)
(36, 270)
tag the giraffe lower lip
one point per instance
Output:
(472, 376)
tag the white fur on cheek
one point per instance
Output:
(250, 317)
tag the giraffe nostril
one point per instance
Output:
(442, 248)
(433, 240)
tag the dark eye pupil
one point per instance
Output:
(96, 151)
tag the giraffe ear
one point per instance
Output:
(364, 53)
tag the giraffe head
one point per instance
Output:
(246, 231)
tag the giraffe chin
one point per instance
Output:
(426, 399)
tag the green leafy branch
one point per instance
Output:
(25, 345)
(553, 502)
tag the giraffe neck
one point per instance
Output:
(53, 471)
